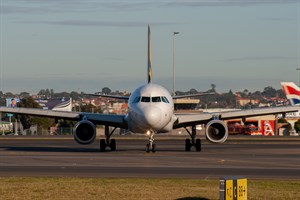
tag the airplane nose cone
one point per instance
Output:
(152, 116)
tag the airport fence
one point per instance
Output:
(62, 131)
(58, 131)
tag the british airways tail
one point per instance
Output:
(149, 56)
(292, 92)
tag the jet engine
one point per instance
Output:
(216, 131)
(84, 132)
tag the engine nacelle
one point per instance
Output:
(84, 132)
(216, 131)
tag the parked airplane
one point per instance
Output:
(151, 111)
(292, 92)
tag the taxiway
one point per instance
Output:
(251, 157)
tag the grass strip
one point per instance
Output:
(136, 188)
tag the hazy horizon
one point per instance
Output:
(87, 45)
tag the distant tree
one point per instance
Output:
(62, 94)
(51, 92)
(89, 108)
(48, 92)
(193, 91)
(213, 87)
(282, 121)
(42, 92)
(280, 93)
(24, 94)
(75, 95)
(27, 121)
(269, 92)
(179, 93)
(63, 123)
(2, 102)
(258, 95)
(106, 90)
(297, 125)
(9, 94)
(28, 103)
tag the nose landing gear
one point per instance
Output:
(150, 146)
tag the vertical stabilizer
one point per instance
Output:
(292, 92)
(149, 56)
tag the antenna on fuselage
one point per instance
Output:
(149, 56)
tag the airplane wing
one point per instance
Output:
(192, 95)
(101, 119)
(109, 96)
(184, 120)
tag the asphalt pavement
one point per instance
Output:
(61, 156)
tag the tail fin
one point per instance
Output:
(292, 92)
(149, 56)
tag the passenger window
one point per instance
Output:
(145, 99)
(156, 99)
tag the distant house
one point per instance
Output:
(245, 101)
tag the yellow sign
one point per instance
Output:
(229, 189)
(242, 189)
(233, 189)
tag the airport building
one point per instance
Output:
(186, 104)
(61, 104)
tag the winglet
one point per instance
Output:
(149, 56)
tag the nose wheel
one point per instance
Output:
(150, 147)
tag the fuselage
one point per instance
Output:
(151, 108)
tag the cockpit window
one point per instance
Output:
(164, 99)
(136, 99)
(156, 99)
(145, 99)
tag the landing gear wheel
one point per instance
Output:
(198, 145)
(113, 145)
(107, 142)
(153, 148)
(148, 148)
(188, 145)
(102, 145)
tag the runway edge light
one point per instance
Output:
(233, 188)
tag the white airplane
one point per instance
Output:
(151, 111)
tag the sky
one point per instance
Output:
(76, 45)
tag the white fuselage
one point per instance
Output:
(151, 108)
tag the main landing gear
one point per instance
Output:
(193, 142)
(107, 142)
(150, 146)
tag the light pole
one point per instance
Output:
(298, 69)
(298, 41)
(174, 33)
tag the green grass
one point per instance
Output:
(133, 188)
